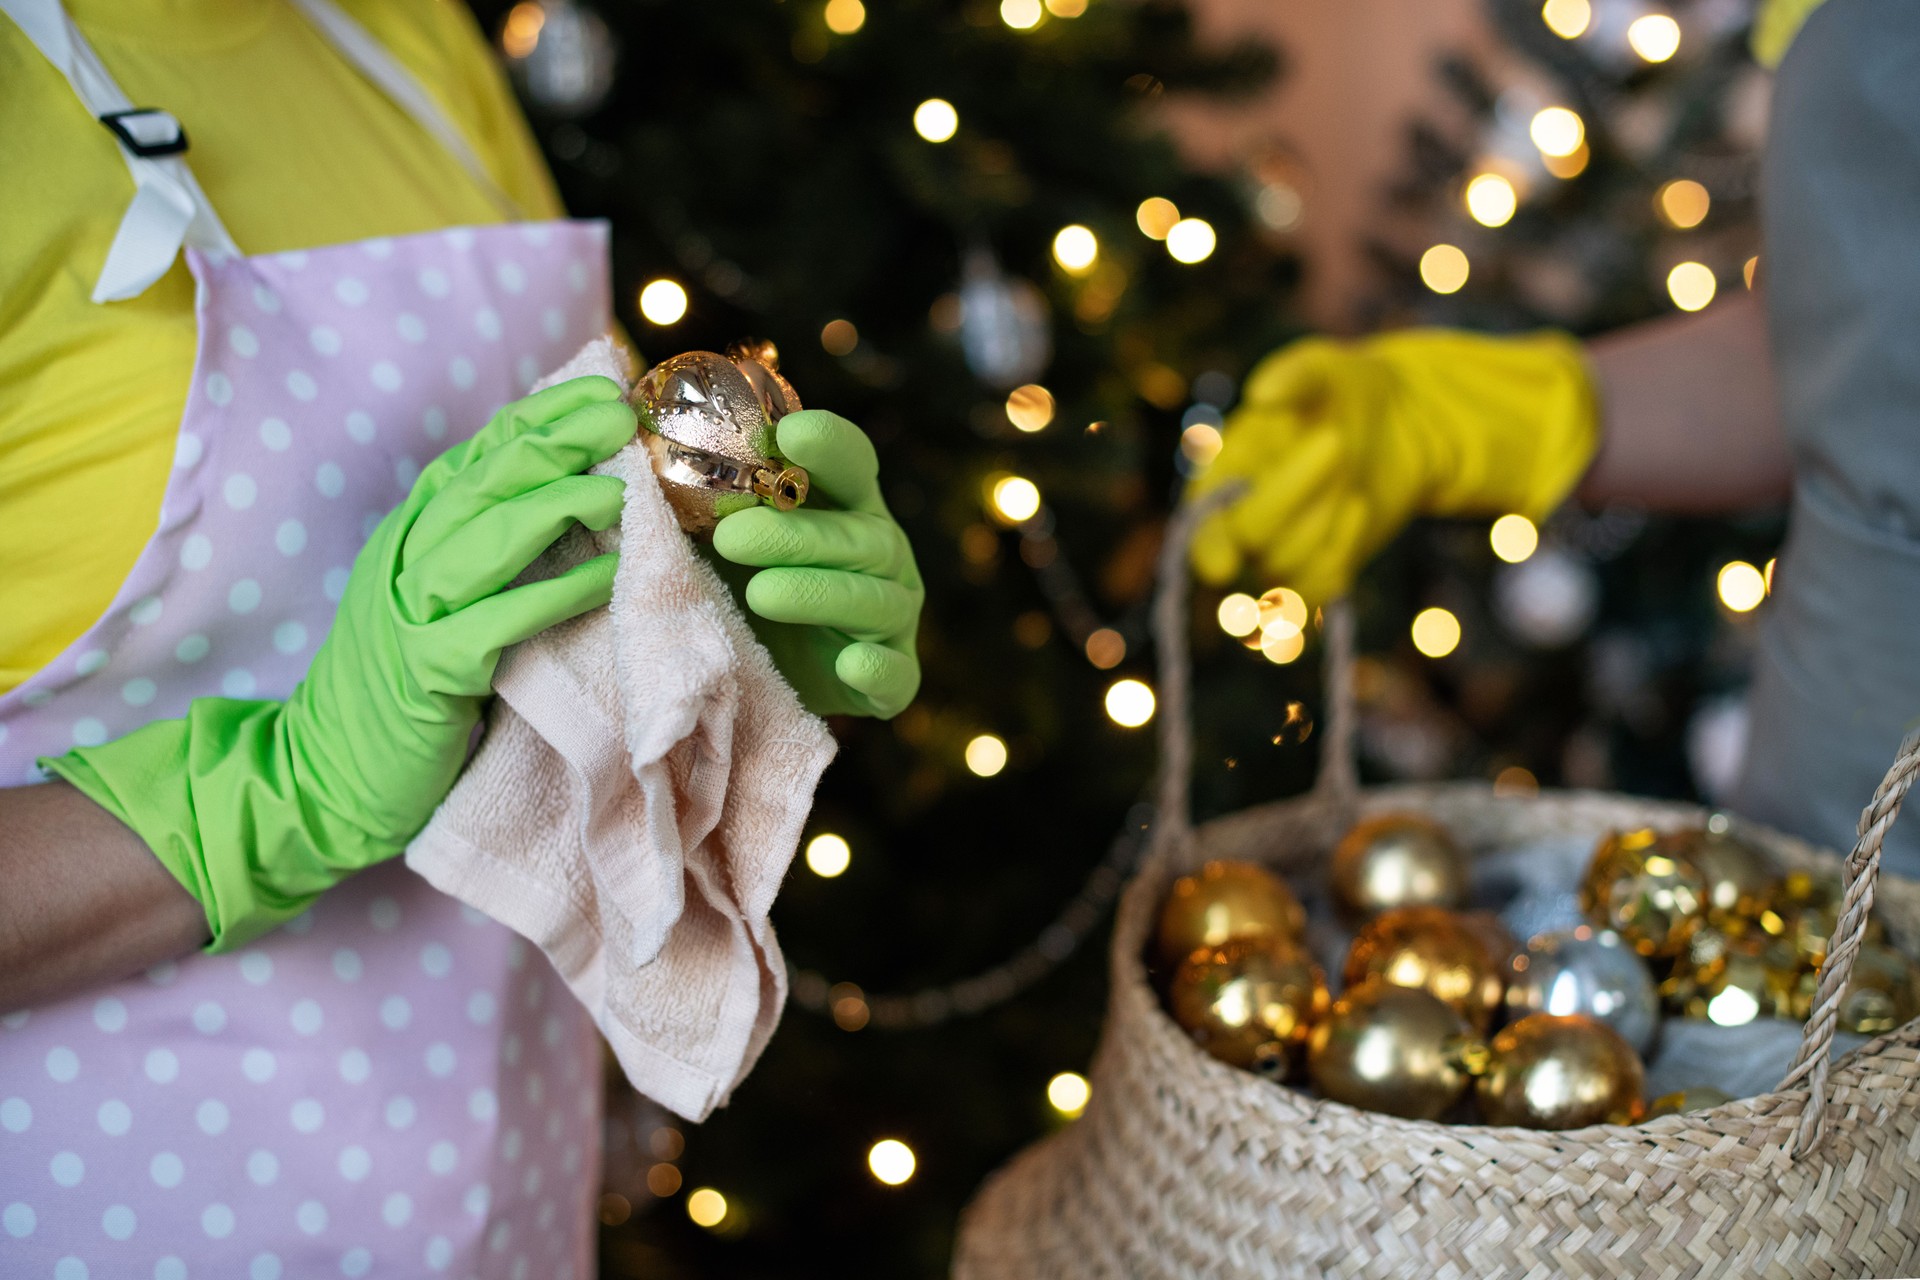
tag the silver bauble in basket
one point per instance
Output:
(1588, 971)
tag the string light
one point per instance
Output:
(1281, 645)
(707, 1207)
(1021, 15)
(1766, 572)
(986, 755)
(521, 31)
(1683, 203)
(1015, 499)
(891, 1161)
(1557, 131)
(1068, 1093)
(1066, 8)
(663, 302)
(1516, 781)
(1514, 538)
(1191, 240)
(936, 120)
(1568, 166)
(1750, 270)
(848, 1003)
(1567, 19)
(1106, 648)
(1129, 703)
(1030, 408)
(844, 17)
(828, 855)
(1742, 587)
(1491, 200)
(1443, 268)
(1283, 610)
(1201, 443)
(1239, 614)
(1691, 285)
(663, 1180)
(1156, 216)
(1075, 248)
(1436, 632)
(839, 337)
(1655, 37)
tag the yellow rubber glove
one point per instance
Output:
(1342, 443)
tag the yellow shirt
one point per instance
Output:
(1775, 25)
(294, 149)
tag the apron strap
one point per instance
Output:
(169, 209)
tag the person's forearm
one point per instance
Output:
(1688, 418)
(82, 898)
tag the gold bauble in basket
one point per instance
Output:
(1554, 1071)
(1641, 885)
(1740, 880)
(1699, 1097)
(1432, 950)
(1882, 993)
(1225, 900)
(1733, 980)
(1394, 1049)
(1396, 860)
(1250, 1002)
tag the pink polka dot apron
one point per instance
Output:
(392, 1084)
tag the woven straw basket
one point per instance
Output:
(1183, 1166)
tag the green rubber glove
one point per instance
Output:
(837, 599)
(257, 807)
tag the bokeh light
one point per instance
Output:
(1514, 538)
(1015, 498)
(1239, 614)
(1436, 632)
(1075, 248)
(707, 1207)
(1557, 131)
(663, 302)
(1284, 610)
(1021, 15)
(1443, 268)
(891, 1161)
(1130, 703)
(936, 120)
(1683, 203)
(521, 31)
(1066, 8)
(844, 17)
(1282, 644)
(1568, 166)
(1742, 587)
(1491, 200)
(986, 755)
(1191, 240)
(1156, 216)
(1106, 648)
(1201, 443)
(1655, 37)
(839, 337)
(1068, 1093)
(1567, 19)
(1691, 285)
(1030, 408)
(828, 855)
(1750, 270)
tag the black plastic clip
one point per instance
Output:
(147, 131)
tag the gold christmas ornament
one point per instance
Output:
(1698, 1098)
(1641, 885)
(1881, 993)
(1551, 1071)
(1396, 1050)
(1740, 880)
(709, 427)
(1225, 900)
(1731, 981)
(1250, 1002)
(1431, 950)
(1397, 860)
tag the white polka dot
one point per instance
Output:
(350, 290)
(256, 967)
(308, 1018)
(360, 426)
(511, 1144)
(292, 259)
(439, 1253)
(118, 1222)
(355, 1164)
(139, 691)
(442, 1157)
(188, 449)
(334, 583)
(16, 1115)
(530, 1184)
(88, 732)
(486, 322)
(481, 1007)
(63, 1064)
(162, 1066)
(265, 1266)
(512, 277)
(411, 327)
(243, 342)
(577, 276)
(386, 375)
(68, 1169)
(290, 538)
(209, 1018)
(384, 912)
(355, 1066)
(239, 683)
(266, 299)
(166, 1170)
(397, 1209)
(553, 323)
(217, 1221)
(347, 965)
(89, 662)
(299, 924)
(312, 1217)
(400, 1112)
(528, 371)
(461, 372)
(434, 282)
(220, 389)
(276, 434)
(308, 1115)
(37, 698)
(212, 1116)
(378, 248)
(396, 1013)
(147, 611)
(192, 648)
(301, 386)
(169, 1268)
(70, 1268)
(440, 1059)
(355, 1262)
(115, 1118)
(240, 491)
(535, 233)
(370, 524)
(20, 1220)
(478, 1197)
(501, 1233)
(330, 480)
(460, 238)
(482, 1105)
(510, 1050)
(324, 339)
(435, 960)
(163, 974)
(258, 1065)
(290, 637)
(537, 1089)
(196, 551)
(263, 1168)
(109, 1014)
(244, 595)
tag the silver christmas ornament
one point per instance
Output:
(1590, 971)
(1003, 324)
(561, 53)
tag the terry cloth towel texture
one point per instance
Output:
(637, 798)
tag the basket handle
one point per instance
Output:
(1862, 870)
(1338, 780)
